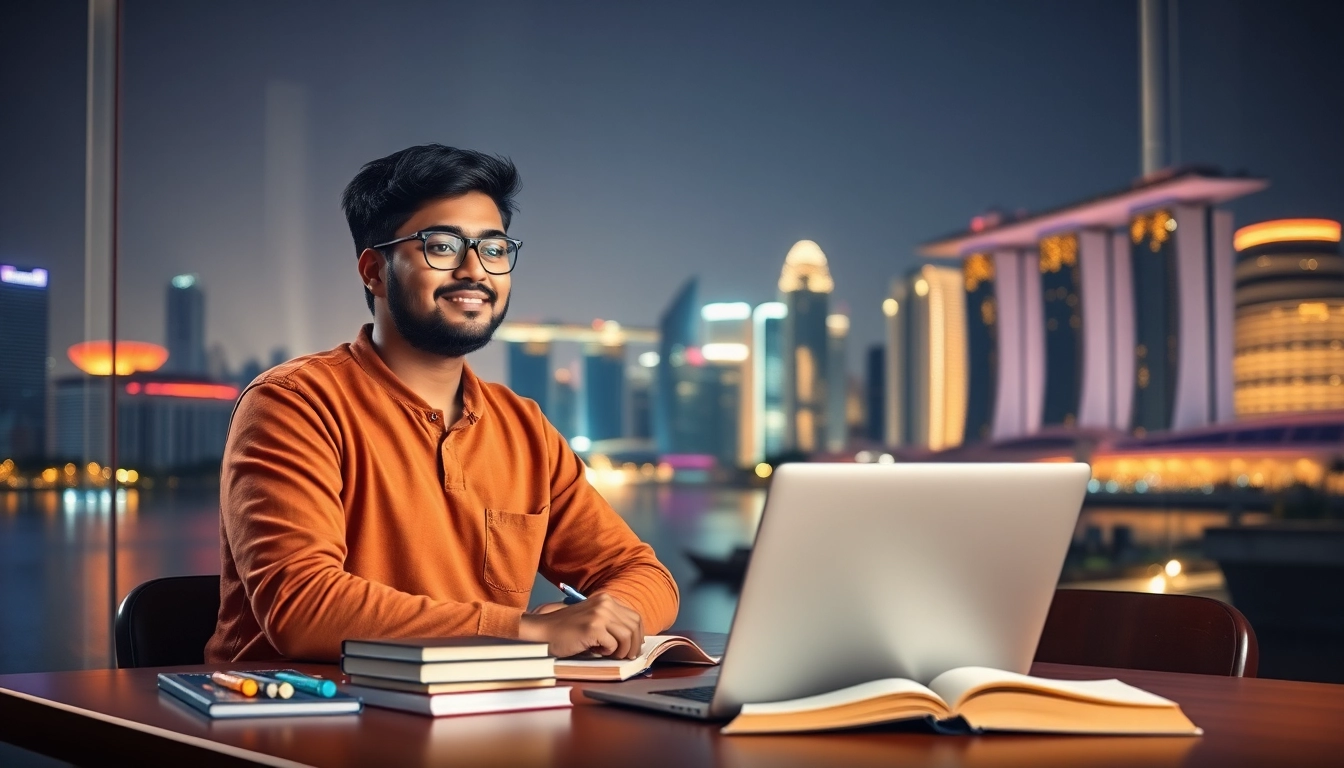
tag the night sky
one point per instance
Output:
(654, 143)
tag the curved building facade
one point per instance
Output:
(1289, 318)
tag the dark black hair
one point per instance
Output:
(388, 191)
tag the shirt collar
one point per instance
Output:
(366, 355)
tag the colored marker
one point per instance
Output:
(269, 686)
(572, 595)
(315, 685)
(243, 685)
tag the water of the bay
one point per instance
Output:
(55, 599)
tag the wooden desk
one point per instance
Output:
(117, 717)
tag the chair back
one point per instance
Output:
(167, 622)
(1138, 630)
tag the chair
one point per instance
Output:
(1137, 630)
(167, 622)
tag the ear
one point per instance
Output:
(371, 272)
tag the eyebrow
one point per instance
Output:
(456, 230)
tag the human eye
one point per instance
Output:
(494, 249)
(442, 244)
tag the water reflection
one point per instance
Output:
(54, 599)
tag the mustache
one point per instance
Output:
(467, 286)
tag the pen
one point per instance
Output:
(572, 595)
(272, 688)
(244, 685)
(315, 685)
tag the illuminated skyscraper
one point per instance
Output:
(767, 391)
(806, 285)
(185, 326)
(927, 327)
(1112, 313)
(530, 370)
(604, 391)
(837, 381)
(564, 398)
(1289, 333)
(678, 332)
(23, 362)
(730, 380)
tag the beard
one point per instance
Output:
(433, 333)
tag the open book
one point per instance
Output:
(672, 648)
(986, 699)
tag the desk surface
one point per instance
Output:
(118, 717)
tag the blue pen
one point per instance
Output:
(315, 685)
(572, 595)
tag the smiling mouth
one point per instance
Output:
(468, 302)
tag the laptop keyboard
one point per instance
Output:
(704, 693)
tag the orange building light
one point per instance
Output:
(192, 389)
(95, 357)
(1286, 231)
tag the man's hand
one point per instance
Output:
(601, 624)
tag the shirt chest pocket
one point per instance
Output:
(513, 544)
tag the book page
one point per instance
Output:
(892, 686)
(958, 685)
(669, 647)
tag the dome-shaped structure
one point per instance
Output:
(805, 269)
(95, 357)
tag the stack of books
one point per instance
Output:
(452, 675)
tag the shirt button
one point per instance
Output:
(433, 417)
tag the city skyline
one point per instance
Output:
(760, 173)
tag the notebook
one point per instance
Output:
(450, 671)
(667, 648)
(983, 699)
(429, 649)
(198, 692)
(474, 703)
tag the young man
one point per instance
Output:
(382, 490)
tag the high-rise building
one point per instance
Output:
(639, 380)
(564, 398)
(875, 394)
(23, 361)
(837, 381)
(729, 378)
(1289, 330)
(982, 348)
(927, 331)
(185, 326)
(678, 332)
(604, 391)
(1111, 313)
(530, 370)
(805, 284)
(767, 392)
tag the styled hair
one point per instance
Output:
(388, 191)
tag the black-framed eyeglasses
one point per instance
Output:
(445, 251)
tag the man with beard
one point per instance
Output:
(382, 490)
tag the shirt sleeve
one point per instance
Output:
(591, 547)
(285, 525)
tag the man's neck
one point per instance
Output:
(436, 379)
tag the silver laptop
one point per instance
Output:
(867, 571)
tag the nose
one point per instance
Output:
(471, 267)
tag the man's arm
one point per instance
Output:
(590, 547)
(285, 524)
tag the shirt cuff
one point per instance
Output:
(499, 620)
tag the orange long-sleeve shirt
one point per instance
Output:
(350, 508)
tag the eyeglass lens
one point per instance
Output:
(445, 251)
